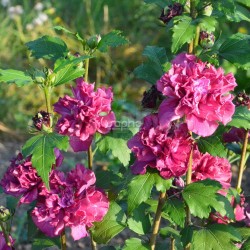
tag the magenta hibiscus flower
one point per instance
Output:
(85, 114)
(166, 150)
(197, 91)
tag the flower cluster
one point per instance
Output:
(72, 201)
(167, 150)
(197, 91)
(85, 114)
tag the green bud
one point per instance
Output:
(4, 214)
(93, 41)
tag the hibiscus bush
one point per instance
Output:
(168, 178)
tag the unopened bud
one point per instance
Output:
(4, 214)
(42, 121)
(206, 40)
(150, 97)
(173, 10)
(93, 41)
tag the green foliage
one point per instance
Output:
(112, 39)
(236, 49)
(241, 118)
(215, 236)
(41, 147)
(224, 6)
(202, 196)
(139, 190)
(140, 220)
(112, 224)
(166, 232)
(77, 36)
(134, 243)
(48, 47)
(175, 209)
(241, 14)
(42, 242)
(212, 145)
(183, 32)
(154, 67)
(116, 143)
(68, 69)
(162, 184)
(15, 76)
(160, 3)
(207, 23)
(246, 245)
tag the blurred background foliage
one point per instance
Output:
(23, 21)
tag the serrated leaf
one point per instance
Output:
(139, 190)
(116, 142)
(134, 243)
(43, 242)
(176, 211)
(215, 237)
(224, 6)
(183, 32)
(140, 220)
(236, 49)
(160, 3)
(154, 67)
(18, 77)
(162, 185)
(207, 23)
(241, 118)
(41, 147)
(202, 196)
(48, 47)
(68, 69)
(112, 39)
(113, 223)
(212, 145)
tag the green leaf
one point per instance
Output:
(215, 237)
(15, 76)
(112, 39)
(116, 142)
(241, 14)
(134, 243)
(183, 32)
(236, 49)
(244, 2)
(140, 220)
(139, 190)
(68, 69)
(202, 196)
(241, 118)
(48, 47)
(166, 232)
(176, 211)
(224, 6)
(207, 23)
(162, 185)
(43, 242)
(112, 224)
(187, 235)
(78, 37)
(212, 145)
(160, 3)
(154, 67)
(41, 147)
(244, 232)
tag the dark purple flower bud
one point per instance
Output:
(173, 10)
(150, 98)
(179, 182)
(206, 39)
(242, 99)
(42, 119)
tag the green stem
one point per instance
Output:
(63, 240)
(47, 94)
(86, 70)
(242, 161)
(157, 220)
(6, 235)
(93, 243)
(90, 158)
(172, 243)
